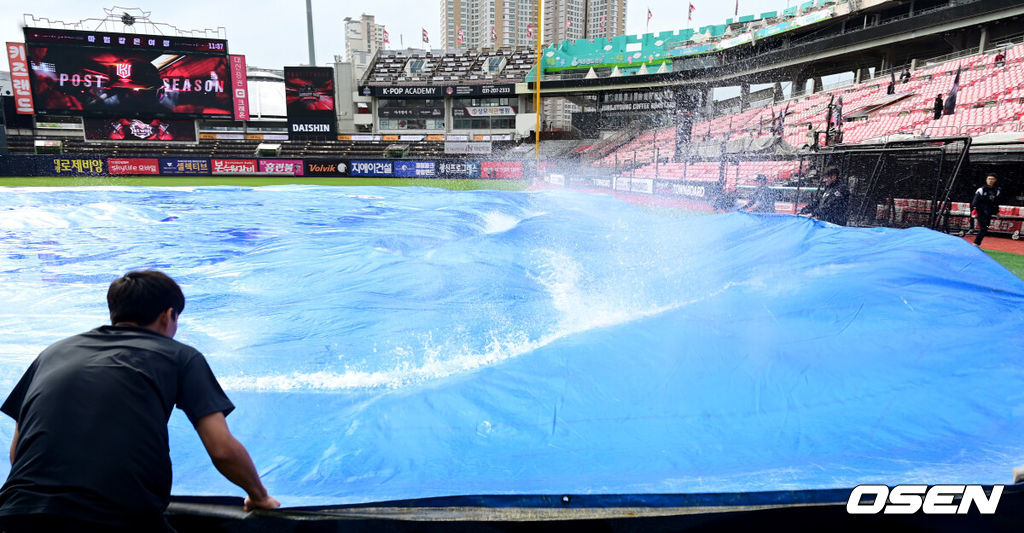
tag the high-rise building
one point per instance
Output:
(583, 19)
(475, 24)
(578, 19)
(363, 37)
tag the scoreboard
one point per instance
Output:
(309, 100)
(100, 74)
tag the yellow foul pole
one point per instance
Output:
(536, 85)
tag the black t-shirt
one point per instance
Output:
(92, 414)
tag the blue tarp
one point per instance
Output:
(388, 344)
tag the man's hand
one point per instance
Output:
(266, 502)
(233, 461)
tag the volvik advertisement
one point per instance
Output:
(327, 168)
(309, 100)
(136, 129)
(132, 83)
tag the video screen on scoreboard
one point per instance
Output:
(129, 82)
(309, 90)
(138, 129)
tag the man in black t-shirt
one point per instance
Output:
(90, 450)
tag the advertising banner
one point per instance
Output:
(774, 29)
(496, 91)
(696, 189)
(429, 91)
(812, 18)
(692, 50)
(79, 81)
(133, 167)
(307, 127)
(458, 169)
(415, 169)
(233, 166)
(433, 91)
(501, 169)
(239, 88)
(18, 62)
(372, 168)
(491, 111)
(57, 126)
(644, 185)
(75, 166)
(327, 168)
(731, 42)
(410, 112)
(467, 147)
(184, 167)
(282, 167)
(309, 100)
(137, 129)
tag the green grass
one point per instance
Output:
(452, 184)
(1013, 262)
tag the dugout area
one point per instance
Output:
(924, 182)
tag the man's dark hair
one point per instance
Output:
(991, 175)
(831, 171)
(141, 295)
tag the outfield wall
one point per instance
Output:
(78, 166)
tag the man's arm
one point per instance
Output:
(233, 461)
(14, 442)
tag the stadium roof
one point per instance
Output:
(266, 94)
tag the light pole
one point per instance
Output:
(309, 32)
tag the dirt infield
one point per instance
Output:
(999, 244)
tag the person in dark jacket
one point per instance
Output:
(834, 204)
(905, 77)
(985, 206)
(937, 108)
(720, 199)
(763, 199)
